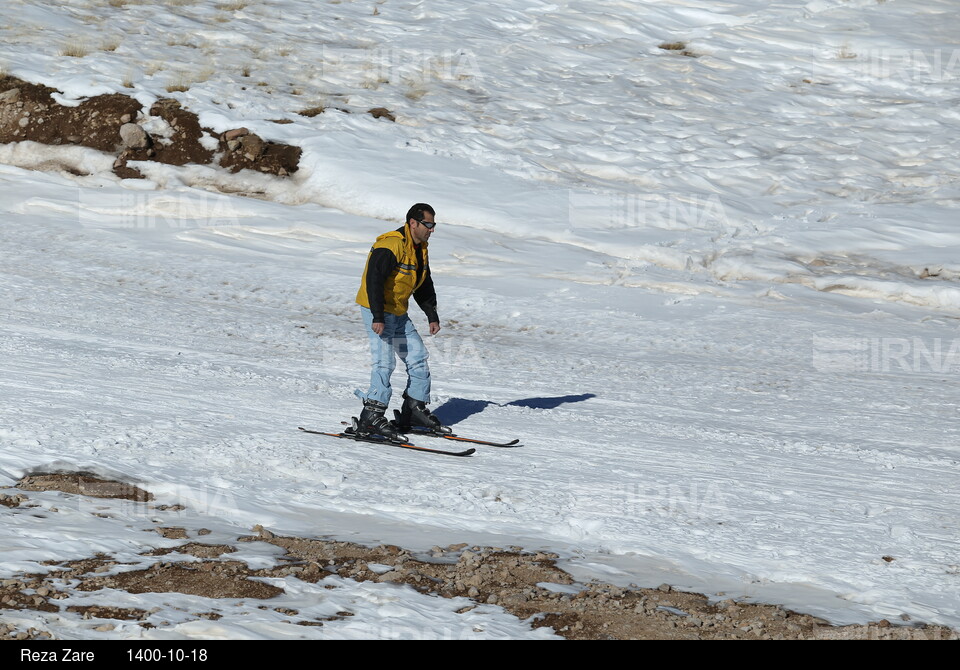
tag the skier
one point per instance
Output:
(396, 269)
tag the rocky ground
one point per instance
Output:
(119, 125)
(529, 585)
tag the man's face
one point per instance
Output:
(419, 231)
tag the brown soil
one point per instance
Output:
(528, 585)
(173, 533)
(84, 484)
(382, 112)
(12, 501)
(252, 153)
(117, 613)
(514, 580)
(29, 112)
(195, 549)
(678, 47)
(211, 579)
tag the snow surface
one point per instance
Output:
(714, 295)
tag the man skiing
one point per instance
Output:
(398, 268)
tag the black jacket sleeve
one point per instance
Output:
(426, 297)
(381, 265)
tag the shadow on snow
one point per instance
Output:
(456, 410)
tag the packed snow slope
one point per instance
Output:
(700, 257)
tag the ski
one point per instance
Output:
(376, 440)
(416, 430)
(458, 438)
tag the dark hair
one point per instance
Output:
(416, 212)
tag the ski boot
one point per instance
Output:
(415, 416)
(373, 423)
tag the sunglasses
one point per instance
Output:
(429, 224)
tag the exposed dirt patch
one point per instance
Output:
(529, 585)
(29, 112)
(28, 592)
(382, 112)
(75, 569)
(680, 48)
(12, 501)
(532, 587)
(173, 533)
(195, 549)
(184, 146)
(84, 484)
(40, 593)
(117, 124)
(311, 112)
(10, 632)
(211, 579)
(250, 152)
(170, 508)
(102, 612)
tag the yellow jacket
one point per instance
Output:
(392, 274)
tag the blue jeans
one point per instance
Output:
(399, 338)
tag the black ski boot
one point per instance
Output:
(372, 422)
(414, 414)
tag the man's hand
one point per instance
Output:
(434, 328)
(377, 328)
